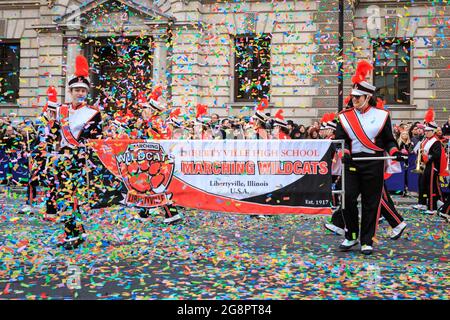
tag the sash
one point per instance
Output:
(360, 134)
(65, 128)
(427, 145)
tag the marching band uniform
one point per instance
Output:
(261, 120)
(39, 148)
(202, 130)
(387, 209)
(435, 160)
(74, 125)
(176, 125)
(367, 133)
(281, 124)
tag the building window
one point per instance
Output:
(252, 68)
(392, 70)
(9, 72)
(120, 68)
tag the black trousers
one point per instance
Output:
(387, 210)
(337, 183)
(429, 191)
(363, 178)
(69, 185)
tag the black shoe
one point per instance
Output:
(176, 219)
(144, 213)
(71, 244)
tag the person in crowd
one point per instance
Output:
(446, 127)
(404, 142)
(313, 133)
(303, 132)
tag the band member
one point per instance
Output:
(434, 158)
(202, 130)
(39, 148)
(176, 125)
(158, 129)
(75, 123)
(367, 133)
(329, 123)
(323, 131)
(387, 211)
(261, 120)
(281, 130)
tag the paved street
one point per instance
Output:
(217, 256)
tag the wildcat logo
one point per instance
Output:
(146, 171)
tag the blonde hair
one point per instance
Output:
(408, 139)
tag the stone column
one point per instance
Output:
(159, 61)
(73, 49)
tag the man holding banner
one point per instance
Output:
(367, 133)
(158, 129)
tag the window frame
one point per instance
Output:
(4, 74)
(381, 42)
(91, 49)
(236, 82)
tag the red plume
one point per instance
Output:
(202, 109)
(332, 115)
(157, 92)
(380, 103)
(175, 113)
(52, 94)
(324, 118)
(263, 104)
(362, 70)
(142, 99)
(81, 67)
(429, 116)
(279, 114)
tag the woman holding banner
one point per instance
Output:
(367, 132)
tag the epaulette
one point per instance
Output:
(346, 110)
(96, 108)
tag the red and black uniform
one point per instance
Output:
(435, 159)
(73, 127)
(367, 133)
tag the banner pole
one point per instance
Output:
(343, 178)
(377, 158)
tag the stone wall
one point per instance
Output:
(304, 57)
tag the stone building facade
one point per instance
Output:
(193, 50)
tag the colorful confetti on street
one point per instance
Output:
(217, 256)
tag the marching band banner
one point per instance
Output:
(236, 176)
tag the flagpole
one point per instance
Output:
(341, 57)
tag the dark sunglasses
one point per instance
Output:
(356, 97)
